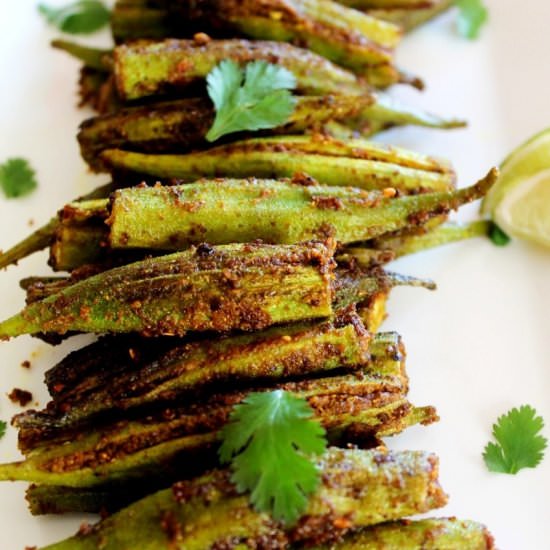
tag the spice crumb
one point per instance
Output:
(21, 397)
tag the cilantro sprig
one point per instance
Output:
(472, 15)
(80, 17)
(17, 178)
(270, 441)
(519, 443)
(3, 426)
(254, 98)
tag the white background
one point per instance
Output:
(476, 347)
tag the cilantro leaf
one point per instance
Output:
(81, 17)
(269, 441)
(3, 426)
(255, 98)
(472, 15)
(519, 444)
(498, 236)
(17, 178)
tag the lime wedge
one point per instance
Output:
(520, 201)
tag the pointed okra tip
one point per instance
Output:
(484, 184)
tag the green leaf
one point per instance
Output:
(254, 98)
(519, 444)
(270, 441)
(81, 17)
(472, 15)
(3, 427)
(498, 236)
(17, 178)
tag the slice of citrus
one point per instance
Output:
(520, 201)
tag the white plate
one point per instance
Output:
(477, 347)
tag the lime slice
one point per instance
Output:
(525, 209)
(520, 201)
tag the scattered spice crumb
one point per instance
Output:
(26, 364)
(22, 397)
(30, 222)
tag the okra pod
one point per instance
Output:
(144, 69)
(152, 447)
(358, 163)
(175, 217)
(274, 354)
(247, 287)
(167, 218)
(359, 488)
(345, 36)
(425, 534)
(180, 126)
(128, 446)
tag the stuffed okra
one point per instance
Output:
(154, 441)
(345, 36)
(248, 287)
(226, 211)
(176, 217)
(355, 162)
(359, 488)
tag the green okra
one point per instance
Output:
(181, 370)
(180, 126)
(425, 534)
(154, 442)
(144, 69)
(358, 489)
(173, 218)
(247, 287)
(176, 217)
(357, 163)
(345, 36)
(276, 211)
(125, 447)
(169, 218)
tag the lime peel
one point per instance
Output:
(525, 209)
(520, 201)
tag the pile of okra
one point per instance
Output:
(256, 263)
